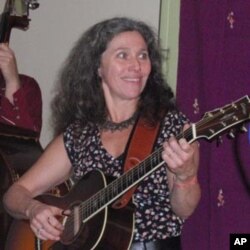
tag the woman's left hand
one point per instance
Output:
(8, 64)
(181, 157)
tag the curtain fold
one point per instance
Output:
(214, 70)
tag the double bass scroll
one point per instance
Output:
(15, 15)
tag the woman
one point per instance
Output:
(20, 95)
(111, 78)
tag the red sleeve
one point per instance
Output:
(26, 112)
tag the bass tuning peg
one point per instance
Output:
(33, 4)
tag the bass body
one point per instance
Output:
(103, 228)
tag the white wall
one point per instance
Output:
(169, 36)
(55, 26)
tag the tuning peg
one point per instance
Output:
(243, 129)
(33, 4)
(219, 141)
(231, 134)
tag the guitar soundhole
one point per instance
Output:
(73, 226)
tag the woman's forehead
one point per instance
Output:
(127, 38)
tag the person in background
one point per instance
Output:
(111, 79)
(20, 95)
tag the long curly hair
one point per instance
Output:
(78, 92)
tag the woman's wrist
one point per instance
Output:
(30, 208)
(185, 183)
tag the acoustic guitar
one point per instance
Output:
(93, 222)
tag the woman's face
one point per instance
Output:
(125, 67)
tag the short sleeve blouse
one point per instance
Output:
(154, 218)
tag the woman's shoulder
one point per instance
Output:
(173, 122)
(176, 116)
(77, 134)
(77, 129)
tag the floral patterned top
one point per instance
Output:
(154, 218)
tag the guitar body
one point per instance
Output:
(109, 229)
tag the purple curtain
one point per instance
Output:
(214, 70)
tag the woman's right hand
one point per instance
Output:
(44, 220)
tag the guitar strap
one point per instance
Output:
(140, 146)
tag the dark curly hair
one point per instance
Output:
(79, 94)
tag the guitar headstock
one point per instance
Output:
(221, 120)
(15, 15)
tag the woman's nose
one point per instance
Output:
(135, 64)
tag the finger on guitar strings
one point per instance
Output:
(66, 212)
(55, 223)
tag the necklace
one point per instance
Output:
(114, 126)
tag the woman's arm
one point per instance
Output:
(21, 101)
(51, 169)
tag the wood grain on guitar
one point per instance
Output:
(93, 219)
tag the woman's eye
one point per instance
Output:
(143, 55)
(122, 55)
